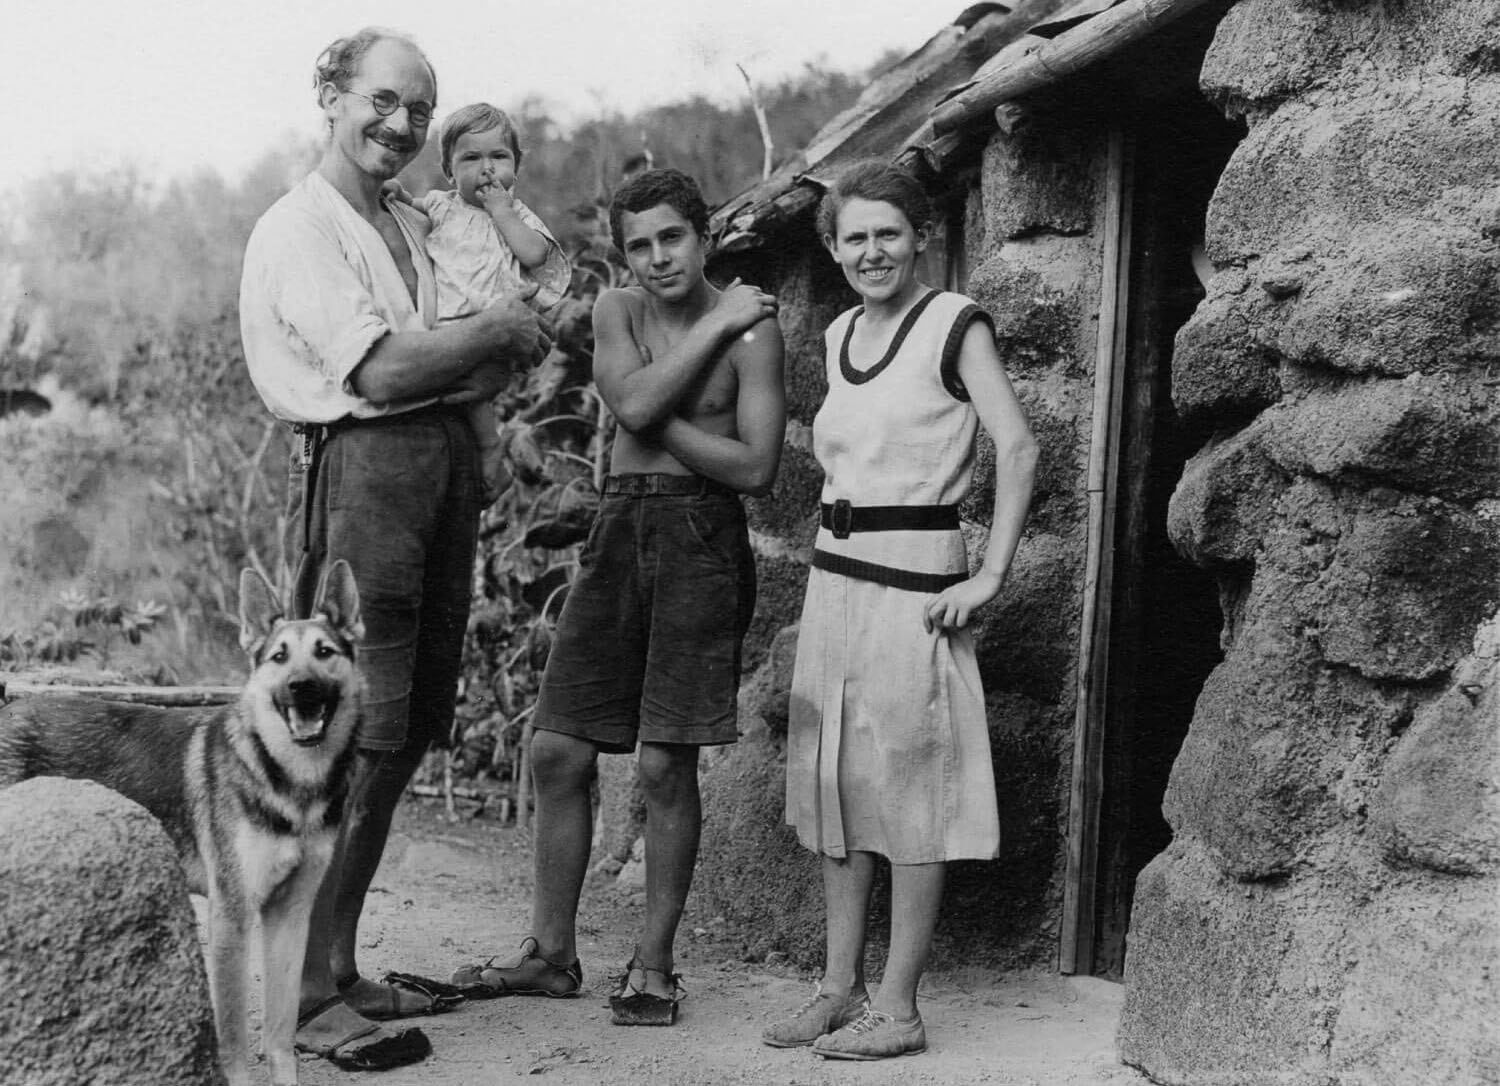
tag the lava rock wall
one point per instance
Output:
(1327, 911)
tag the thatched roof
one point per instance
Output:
(922, 112)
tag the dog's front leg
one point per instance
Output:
(285, 920)
(229, 979)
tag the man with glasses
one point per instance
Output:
(337, 313)
(386, 103)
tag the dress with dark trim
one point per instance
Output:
(888, 747)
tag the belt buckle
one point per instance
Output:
(307, 438)
(843, 519)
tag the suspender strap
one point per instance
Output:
(907, 579)
(308, 452)
(842, 518)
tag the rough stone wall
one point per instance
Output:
(1037, 274)
(101, 980)
(1033, 244)
(1327, 911)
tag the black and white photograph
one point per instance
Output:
(759, 544)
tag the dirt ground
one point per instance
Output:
(450, 893)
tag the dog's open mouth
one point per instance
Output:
(307, 714)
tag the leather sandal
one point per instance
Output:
(527, 974)
(391, 986)
(634, 1006)
(395, 1050)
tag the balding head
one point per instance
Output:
(339, 63)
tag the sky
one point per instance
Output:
(175, 87)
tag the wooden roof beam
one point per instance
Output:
(1057, 59)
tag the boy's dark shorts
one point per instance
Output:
(648, 645)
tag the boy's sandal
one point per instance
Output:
(632, 1006)
(396, 1050)
(531, 975)
(440, 997)
(449, 994)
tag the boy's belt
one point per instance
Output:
(663, 484)
(842, 518)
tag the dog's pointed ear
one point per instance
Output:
(338, 598)
(259, 609)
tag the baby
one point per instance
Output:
(485, 244)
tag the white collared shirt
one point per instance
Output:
(318, 290)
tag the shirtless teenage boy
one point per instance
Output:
(648, 644)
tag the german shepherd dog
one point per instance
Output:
(251, 794)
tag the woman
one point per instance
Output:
(888, 747)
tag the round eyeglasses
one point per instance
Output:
(386, 103)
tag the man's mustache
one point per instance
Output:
(395, 140)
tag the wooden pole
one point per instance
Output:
(11, 689)
(1060, 57)
(1075, 952)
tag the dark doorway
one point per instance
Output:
(1165, 617)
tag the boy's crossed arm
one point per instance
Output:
(746, 463)
(641, 395)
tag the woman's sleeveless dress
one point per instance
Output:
(888, 747)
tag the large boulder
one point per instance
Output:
(1364, 976)
(1225, 981)
(101, 978)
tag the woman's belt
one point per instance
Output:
(890, 576)
(843, 518)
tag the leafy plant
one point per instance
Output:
(91, 624)
(556, 442)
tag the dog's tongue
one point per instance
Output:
(305, 721)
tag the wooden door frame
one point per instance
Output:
(1076, 939)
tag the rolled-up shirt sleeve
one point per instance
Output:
(319, 289)
(313, 289)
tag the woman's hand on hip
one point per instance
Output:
(950, 610)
